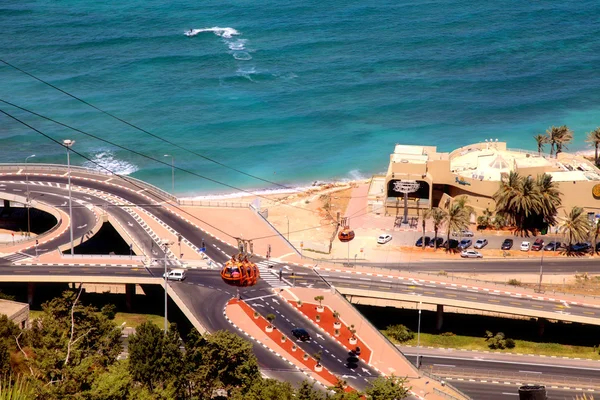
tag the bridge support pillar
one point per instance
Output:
(541, 326)
(6, 204)
(439, 320)
(30, 293)
(129, 295)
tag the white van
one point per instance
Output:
(175, 275)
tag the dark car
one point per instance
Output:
(597, 247)
(453, 244)
(552, 246)
(537, 245)
(301, 334)
(580, 247)
(507, 244)
(436, 242)
(465, 244)
(420, 241)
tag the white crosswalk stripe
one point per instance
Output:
(271, 275)
(17, 257)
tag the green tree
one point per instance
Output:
(71, 343)
(424, 217)
(155, 359)
(388, 388)
(340, 393)
(113, 384)
(557, 137)
(399, 333)
(320, 299)
(5, 369)
(457, 219)
(221, 360)
(485, 219)
(575, 227)
(595, 234)
(593, 138)
(307, 391)
(109, 311)
(438, 216)
(264, 389)
(541, 140)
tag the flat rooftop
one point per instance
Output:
(10, 308)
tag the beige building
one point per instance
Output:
(16, 312)
(476, 170)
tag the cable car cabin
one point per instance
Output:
(240, 272)
(346, 234)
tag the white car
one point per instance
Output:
(471, 254)
(463, 233)
(382, 239)
(525, 246)
(480, 243)
(176, 275)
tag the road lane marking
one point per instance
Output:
(494, 301)
(589, 313)
(445, 365)
(514, 303)
(470, 297)
(530, 372)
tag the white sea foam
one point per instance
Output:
(107, 160)
(242, 56)
(237, 45)
(226, 33)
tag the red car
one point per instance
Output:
(537, 245)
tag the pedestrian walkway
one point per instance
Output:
(17, 257)
(272, 275)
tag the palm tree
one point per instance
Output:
(565, 136)
(553, 134)
(425, 216)
(457, 219)
(508, 189)
(575, 228)
(541, 140)
(462, 201)
(595, 234)
(438, 216)
(549, 197)
(594, 138)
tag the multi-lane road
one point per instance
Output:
(206, 295)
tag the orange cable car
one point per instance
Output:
(240, 272)
(346, 234)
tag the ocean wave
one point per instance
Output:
(226, 33)
(242, 56)
(237, 45)
(105, 160)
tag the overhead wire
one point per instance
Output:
(142, 129)
(160, 161)
(110, 171)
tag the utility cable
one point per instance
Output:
(110, 171)
(160, 161)
(144, 130)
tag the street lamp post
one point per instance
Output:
(166, 244)
(542, 270)
(172, 172)
(68, 143)
(419, 337)
(288, 226)
(28, 200)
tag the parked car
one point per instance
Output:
(465, 244)
(463, 233)
(537, 245)
(552, 246)
(453, 244)
(420, 241)
(382, 239)
(598, 247)
(580, 247)
(480, 243)
(525, 246)
(175, 275)
(436, 242)
(507, 244)
(471, 254)
(301, 334)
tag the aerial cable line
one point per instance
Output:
(112, 172)
(144, 130)
(145, 156)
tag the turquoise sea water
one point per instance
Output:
(294, 91)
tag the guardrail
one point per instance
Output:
(33, 166)
(106, 256)
(209, 203)
(521, 377)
